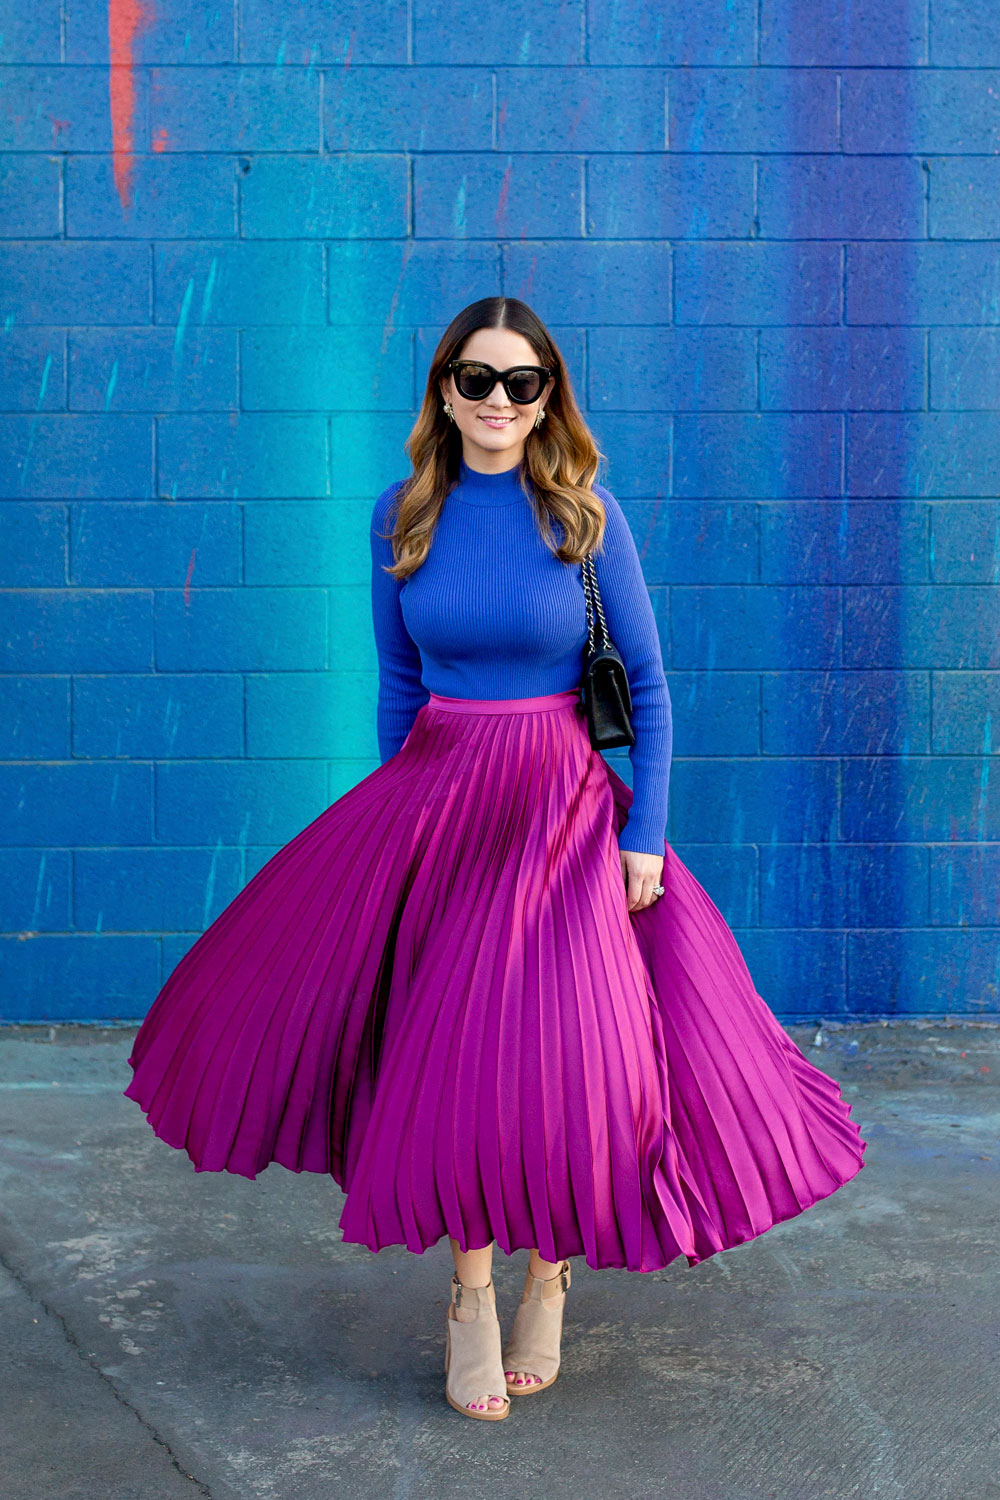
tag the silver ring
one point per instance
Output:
(658, 890)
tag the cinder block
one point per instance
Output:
(585, 109)
(633, 31)
(756, 283)
(639, 448)
(841, 369)
(32, 369)
(715, 713)
(171, 197)
(158, 716)
(32, 545)
(933, 973)
(923, 453)
(75, 457)
(924, 626)
(326, 369)
(155, 544)
(669, 197)
(185, 31)
(754, 801)
(844, 542)
(399, 109)
(306, 715)
(842, 885)
(241, 630)
(765, 455)
(60, 109)
(934, 798)
(252, 456)
(153, 369)
(153, 890)
(34, 719)
(893, 285)
(34, 893)
(74, 282)
(965, 885)
(411, 282)
(965, 541)
(921, 109)
(964, 198)
(242, 284)
(965, 34)
(366, 452)
(237, 802)
(753, 109)
(964, 368)
(358, 197)
(800, 973)
(30, 35)
(850, 33)
(841, 197)
(694, 541)
(460, 196)
(550, 32)
(29, 196)
(966, 713)
(755, 626)
(315, 32)
(683, 369)
(80, 977)
(319, 543)
(845, 713)
(77, 803)
(77, 630)
(235, 109)
(592, 281)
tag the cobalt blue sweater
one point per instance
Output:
(492, 613)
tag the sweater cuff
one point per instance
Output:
(641, 838)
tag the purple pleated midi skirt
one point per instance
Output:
(435, 993)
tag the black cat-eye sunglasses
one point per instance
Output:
(474, 380)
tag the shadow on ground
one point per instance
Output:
(166, 1333)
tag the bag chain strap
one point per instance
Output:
(591, 576)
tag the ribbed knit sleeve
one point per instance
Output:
(632, 625)
(400, 690)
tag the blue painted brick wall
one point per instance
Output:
(764, 235)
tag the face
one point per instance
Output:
(494, 429)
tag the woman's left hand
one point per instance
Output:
(640, 873)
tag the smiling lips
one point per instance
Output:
(497, 421)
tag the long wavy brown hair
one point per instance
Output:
(561, 456)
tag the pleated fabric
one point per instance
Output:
(435, 994)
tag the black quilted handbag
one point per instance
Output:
(604, 685)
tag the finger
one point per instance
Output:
(645, 893)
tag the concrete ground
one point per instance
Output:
(169, 1334)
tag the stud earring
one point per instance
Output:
(447, 407)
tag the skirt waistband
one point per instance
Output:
(545, 703)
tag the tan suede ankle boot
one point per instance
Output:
(534, 1343)
(472, 1361)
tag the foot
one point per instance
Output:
(540, 1273)
(488, 1403)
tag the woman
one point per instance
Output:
(480, 990)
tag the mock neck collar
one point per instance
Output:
(477, 488)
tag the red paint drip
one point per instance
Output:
(160, 139)
(190, 574)
(126, 18)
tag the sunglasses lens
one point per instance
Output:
(524, 385)
(475, 381)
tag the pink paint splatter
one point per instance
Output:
(160, 140)
(190, 574)
(503, 197)
(126, 18)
